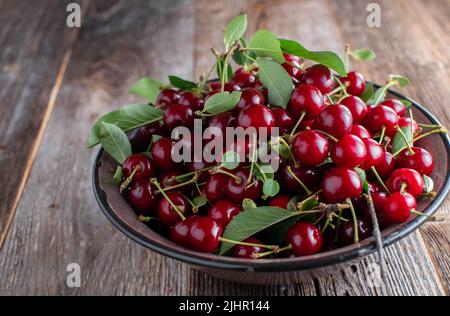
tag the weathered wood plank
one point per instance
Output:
(34, 43)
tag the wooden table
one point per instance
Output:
(55, 81)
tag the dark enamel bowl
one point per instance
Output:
(271, 271)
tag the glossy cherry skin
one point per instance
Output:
(412, 179)
(357, 107)
(339, 184)
(214, 187)
(167, 179)
(178, 115)
(237, 192)
(386, 166)
(204, 234)
(310, 148)
(167, 215)
(305, 239)
(162, 153)
(180, 232)
(349, 151)
(167, 97)
(192, 101)
(246, 252)
(143, 165)
(141, 196)
(308, 175)
(375, 153)
(381, 116)
(306, 99)
(283, 120)
(398, 207)
(141, 138)
(256, 116)
(360, 131)
(280, 201)
(223, 212)
(198, 165)
(421, 160)
(406, 121)
(250, 96)
(347, 230)
(222, 121)
(396, 105)
(293, 71)
(335, 120)
(319, 76)
(243, 79)
(355, 83)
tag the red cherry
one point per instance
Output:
(204, 234)
(381, 116)
(214, 187)
(378, 199)
(180, 232)
(198, 165)
(168, 179)
(420, 160)
(396, 105)
(167, 97)
(406, 121)
(355, 83)
(409, 177)
(386, 166)
(360, 131)
(346, 232)
(398, 207)
(310, 148)
(214, 86)
(309, 176)
(222, 121)
(166, 213)
(319, 76)
(178, 115)
(246, 252)
(223, 212)
(357, 107)
(141, 138)
(280, 201)
(142, 197)
(243, 79)
(162, 153)
(250, 96)
(237, 192)
(190, 100)
(335, 120)
(256, 116)
(283, 120)
(305, 239)
(306, 99)
(294, 72)
(339, 184)
(143, 165)
(349, 151)
(375, 154)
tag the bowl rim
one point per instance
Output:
(334, 257)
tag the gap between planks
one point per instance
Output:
(37, 142)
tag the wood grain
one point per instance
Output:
(58, 221)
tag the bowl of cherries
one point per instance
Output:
(285, 167)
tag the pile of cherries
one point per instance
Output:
(328, 139)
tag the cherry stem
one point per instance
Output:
(128, 180)
(268, 253)
(291, 155)
(146, 219)
(224, 69)
(383, 133)
(182, 176)
(235, 177)
(355, 221)
(403, 187)
(411, 151)
(440, 130)
(429, 125)
(250, 174)
(242, 243)
(341, 86)
(417, 213)
(176, 186)
(289, 170)
(347, 57)
(175, 207)
(334, 139)
(380, 181)
(302, 116)
(206, 77)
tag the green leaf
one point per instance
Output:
(271, 187)
(428, 184)
(147, 88)
(199, 201)
(402, 81)
(276, 80)
(277, 233)
(283, 149)
(406, 103)
(252, 221)
(115, 142)
(329, 59)
(368, 91)
(378, 96)
(248, 203)
(263, 171)
(234, 30)
(399, 142)
(362, 175)
(307, 204)
(219, 68)
(266, 44)
(363, 54)
(117, 178)
(239, 57)
(126, 118)
(182, 84)
(222, 102)
(230, 160)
